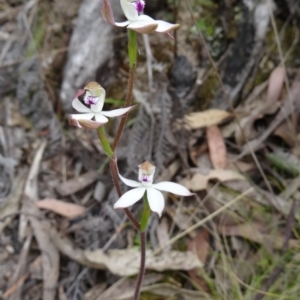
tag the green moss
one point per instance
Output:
(206, 92)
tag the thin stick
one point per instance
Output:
(142, 266)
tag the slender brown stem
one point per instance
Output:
(127, 103)
(133, 220)
(142, 266)
(115, 178)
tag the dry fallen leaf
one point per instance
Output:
(77, 184)
(291, 106)
(169, 291)
(95, 291)
(125, 287)
(199, 181)
(36, 268)
(50, 254)
(200, 246)
(259, 234)
(162, 290)
(162, 232)
(65, 209)
(217, 148)
(287, 133)
(260, 107)
(126, 262)
(275, 84)
(31, 187)
(207, 118)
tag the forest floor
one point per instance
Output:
(218, 111)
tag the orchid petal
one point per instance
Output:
(77, 105)
(100, 118)
(122, 24)
(129, 182)
(143, 24)
(87, 116)
(156, 200)
(117, 112)
(130, 197)
(173, 188)
(165, 26)
(142, 27)
(129, 10)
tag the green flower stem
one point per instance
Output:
(114, 172)
(146, 213)
(105, 143)
(132, 55)
(132, 48)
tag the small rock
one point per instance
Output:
(99, 191)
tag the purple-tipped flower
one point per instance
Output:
(135, 20)
(89, 102)
(155, 197)
(139, 6)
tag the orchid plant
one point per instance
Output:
(89, 103)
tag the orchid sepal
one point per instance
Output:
(81, 123)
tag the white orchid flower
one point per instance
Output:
(136, 21)
(89, 102)
(155, 197)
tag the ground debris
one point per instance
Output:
(218, 111)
